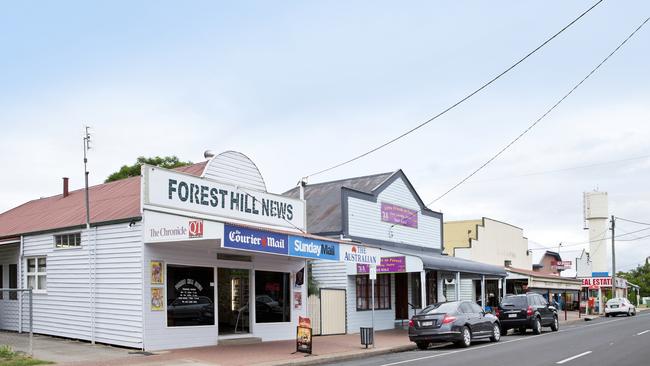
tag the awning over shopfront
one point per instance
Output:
(544, 281)
(432, 260)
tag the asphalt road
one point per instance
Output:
(616, 341)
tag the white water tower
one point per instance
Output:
(597, 222)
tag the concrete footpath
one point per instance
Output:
(326, 349)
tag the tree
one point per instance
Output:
(639, 276)
(167, 162)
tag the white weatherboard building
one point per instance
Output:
(173, 258)
(385, 212)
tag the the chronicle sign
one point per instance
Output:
(159, 227)
(169, 189)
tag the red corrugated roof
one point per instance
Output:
(539, 274)
(108, 202)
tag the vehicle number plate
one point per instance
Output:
(426, 324)
(512, 315)
(614, 306)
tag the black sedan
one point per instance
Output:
(454, 321)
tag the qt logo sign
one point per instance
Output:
(196, 229)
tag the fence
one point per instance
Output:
(16, 319)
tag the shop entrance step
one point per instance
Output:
(239, 340)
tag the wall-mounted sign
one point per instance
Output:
(236, 237)
(597, 282)
(157, 299)
(157, 273)
(312, 248)
(399, 215)
(386, 265)
(168, 189)
(561, 264)
(160, 227)
(599, 274)
(359, 254)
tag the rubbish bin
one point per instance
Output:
(366, 336)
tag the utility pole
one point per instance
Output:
(613, 259)
(86, 148)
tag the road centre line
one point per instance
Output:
(573, 358)
(506, 342)
(644, 332)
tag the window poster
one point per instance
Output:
(297, 299)
(157, 299)
(190, 296)
(157, 273)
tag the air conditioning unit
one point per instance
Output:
(450, 281)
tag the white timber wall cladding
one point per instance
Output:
(384, 319)
(9, 309)
(66, 309)
(364, 219)
(159, 336)
(467, 291)
(329, 274)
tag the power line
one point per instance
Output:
(633, 221)
(563, 169)
(458, 102)
(543, 115)
(575, 244)
(635, 238)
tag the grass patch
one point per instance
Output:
(10, 358)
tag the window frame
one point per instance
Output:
(36, 274)
(75, 234)
(383, 292)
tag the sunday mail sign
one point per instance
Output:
(173, 190)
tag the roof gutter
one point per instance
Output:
(16, 239)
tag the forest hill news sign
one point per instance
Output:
(169, 189)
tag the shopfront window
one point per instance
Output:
(432, 287)
(416, 289)
(190, 296)
(272, 301)
(382, 292)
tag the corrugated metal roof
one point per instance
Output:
(108, 202)
(540, 274)
(324, 200)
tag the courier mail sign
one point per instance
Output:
(172, 190)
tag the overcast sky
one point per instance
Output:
(299, 86)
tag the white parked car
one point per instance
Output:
(619, 305)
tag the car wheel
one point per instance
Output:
(496, 333)
(504, 330)
(628, 313)
(555, 326)
(466, 341)
(537, 326)
(422, 345)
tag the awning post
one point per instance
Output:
(483, 291)
(457, 287)
(423, 289)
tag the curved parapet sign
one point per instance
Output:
(236, 168)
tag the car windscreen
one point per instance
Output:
(440, 308)
(514, 302)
